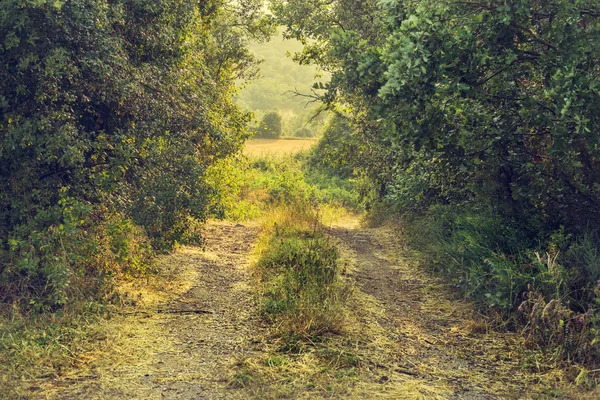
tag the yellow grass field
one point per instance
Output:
(259, 147)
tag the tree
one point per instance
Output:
(483, 101)
(271, 126)
(304, 132)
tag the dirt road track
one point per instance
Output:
(187, 349)
(413, 337)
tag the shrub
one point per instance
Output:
(245, 188)
(333, 153)
(112, 108)
(48, 268)
(333, 189)
(573, 336)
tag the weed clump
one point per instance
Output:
(303, 294)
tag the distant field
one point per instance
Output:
(257, 147)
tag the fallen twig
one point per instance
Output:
(406, 372)
(168, 311)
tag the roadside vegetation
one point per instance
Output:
(110, 115)
(250, 187)
(476, 124)
(298, 268)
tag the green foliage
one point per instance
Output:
(232, 177)
(493, 114)
(290, 179)
(486, 116)
(332, 189)
(73, 259)
(304, 133)
(271, 126)
(552, 283)
(302, 289)
(331, 152)
(350, 161)
(477, 101)
(311, 260)
(468, 248)
(481, 102)
(111, 108)
(248, 188)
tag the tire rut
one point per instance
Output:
(427, 325)
(181, 355)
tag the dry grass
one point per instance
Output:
(355, 363)
(43, 355)
(263, 147)
(298, 271)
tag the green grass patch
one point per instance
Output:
(302, 293)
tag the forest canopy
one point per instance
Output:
(475, 102)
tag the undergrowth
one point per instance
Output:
(303, 295)
(251, 187)
(57, 287)
(545, 286)
(303, 298)
(42, 346)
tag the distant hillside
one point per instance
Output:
(279, 75)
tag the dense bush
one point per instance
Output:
(248, 188)
(109, 108)
(304, 132)
(330, 153)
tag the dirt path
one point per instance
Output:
(183, 348)
(406, 335)
(427, 342)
